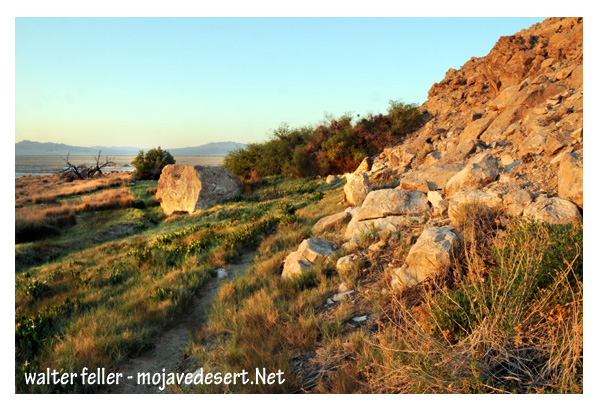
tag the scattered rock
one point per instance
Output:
(360, 319)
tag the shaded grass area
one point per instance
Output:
(91, 303)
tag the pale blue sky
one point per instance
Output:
(179, 82)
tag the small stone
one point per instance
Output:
(360, 319)
(329, 301)
(221, 273)
(343, 288)
(343, 296)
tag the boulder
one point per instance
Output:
(480, 171)
(191, 188)
(308, 253)
(357, 186)
(331, 222)
(553, 210)
(431, 255)
(315, 249)
(516, 201)
(392, 202)
(295, 265)
(476, 128)
(429, 179)
(569, 177)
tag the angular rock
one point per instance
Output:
(439, 204)
(315, 249)
(392, 202)
(553, 210)
(365, 166)
(357, 186)
(480, 171)
(429, 179)
(516, 201)
(430, 256)
(191, 188)
(476, 128)
(331, 222)
(295, 265)
(569, 177)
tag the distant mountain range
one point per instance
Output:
(32, 148)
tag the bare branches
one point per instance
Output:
(83, 171)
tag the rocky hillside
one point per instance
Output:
(504, 131)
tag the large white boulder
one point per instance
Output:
(191, 188)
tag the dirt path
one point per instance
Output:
(169, 346)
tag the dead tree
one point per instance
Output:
(83, 171)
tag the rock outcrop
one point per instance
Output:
(191, 188)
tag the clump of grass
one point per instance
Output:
(513, 324)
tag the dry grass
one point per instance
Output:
(36, 222)
(48, 189)
(511, 326)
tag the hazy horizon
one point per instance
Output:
(181, 82)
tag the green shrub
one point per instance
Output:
(149, 166)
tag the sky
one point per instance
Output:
(180, 82)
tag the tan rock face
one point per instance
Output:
(357, 186)
(431, 255)
(570, 178)
(190, 188)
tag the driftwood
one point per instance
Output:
(83, 171)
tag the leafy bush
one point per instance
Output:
(336, 146)
(150, 165)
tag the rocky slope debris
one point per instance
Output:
(503, 132)
(191, 188)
